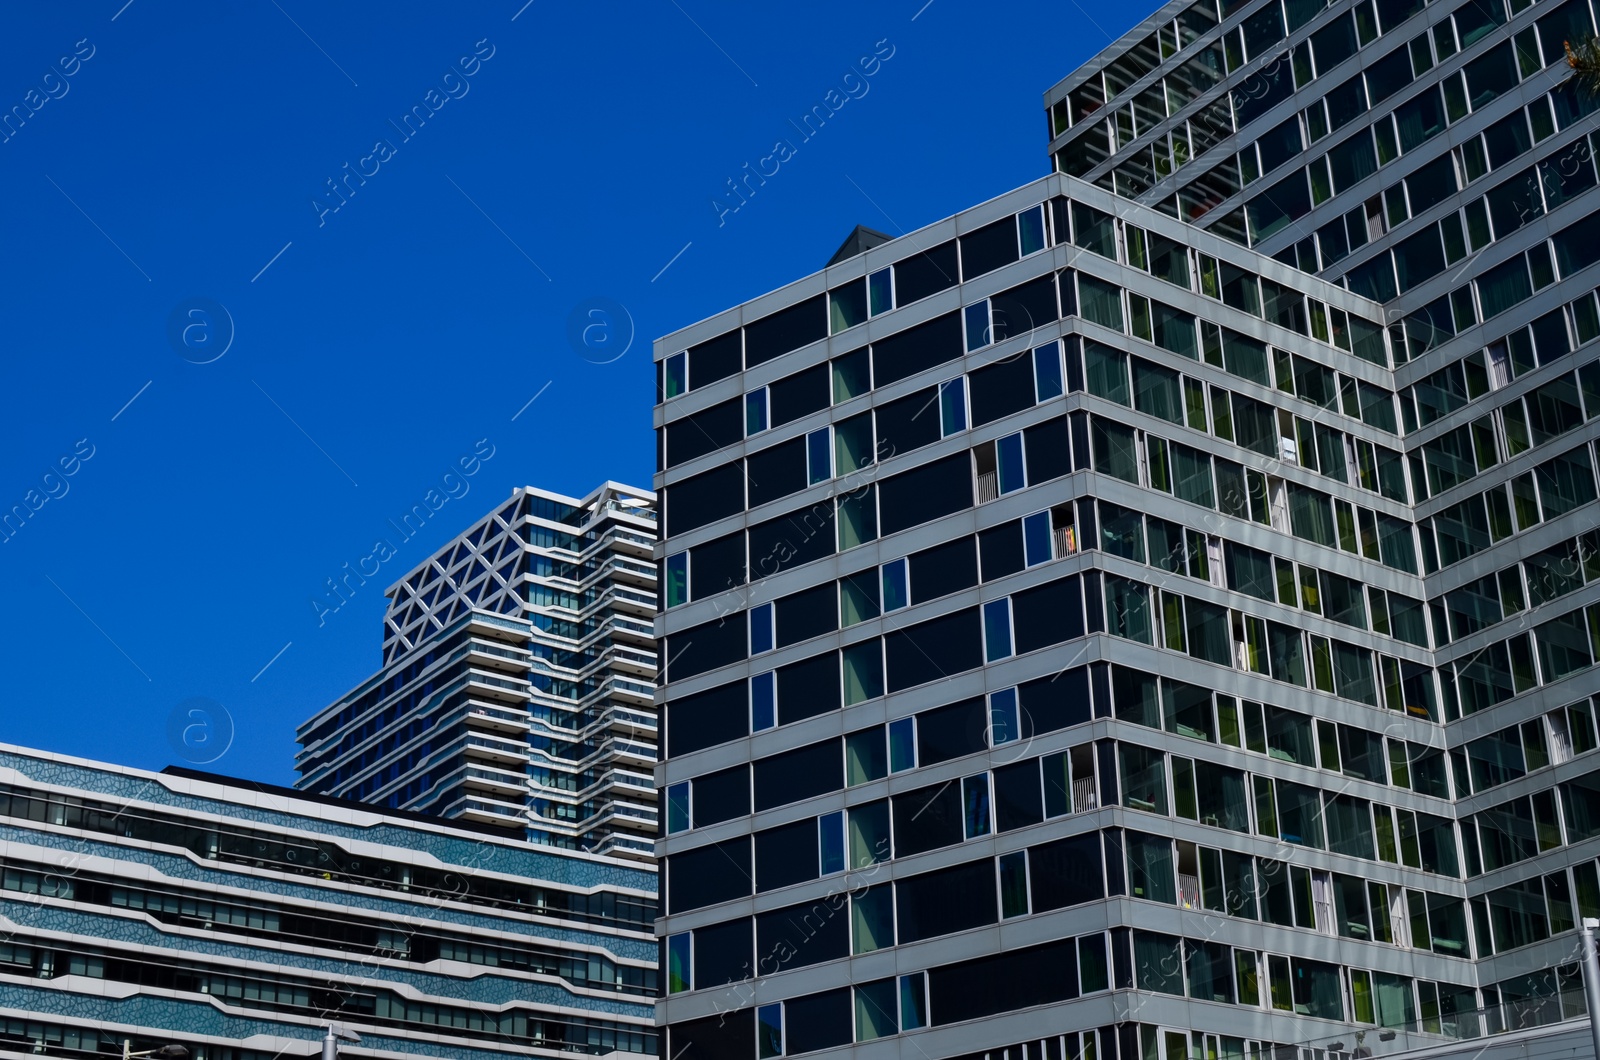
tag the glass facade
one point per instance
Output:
(238, 919)
(519, 671)
(1195, 639)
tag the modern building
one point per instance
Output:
(1152, 614)
(518, 678)
(238, 920)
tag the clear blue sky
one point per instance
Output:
(175, 151)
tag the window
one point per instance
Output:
(847, 306)
(830, 843)
(761, 639)
(880, 291)
(819, 456)
(979, 331)
(1009, 463)
(763, 702)
(953, 406)
(675, 377)
(755, 411)
(1047, 371)
(680, 963)
(902, 745)
(1030, 229)
(997, 629)
(677, 807)
(1005, 722)
(769, 1031)
(1036, 538)
(976, 816)
(677, 578)
(896, 591)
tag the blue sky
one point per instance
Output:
(175, 159)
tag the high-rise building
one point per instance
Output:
(518, 679)
(1153, 615)
(238, 919)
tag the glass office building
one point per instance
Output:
(518, 680)
(238, 920)
(1148, 615)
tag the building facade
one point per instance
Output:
(237, 920)
(1123, 621)
(518, 678)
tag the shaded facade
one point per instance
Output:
(1098, 628)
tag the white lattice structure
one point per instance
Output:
(518, 679)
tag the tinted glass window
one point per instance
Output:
(1001, 550)
(786, 855)
(1049, 450)
(716, 359)
(1004, 982)
(937, 648)
(924, 493)
(716, 566)
(806, 614)
(789, 540)
(909, 423)
(808, 688)
(1018, 797)
(1055, 702)
(786, 330)
(705, 647)
(714, 716)
(952, 731)
(726, 1036)
(798, 774)
(800, 394)
(944, 569)
(923, 274)
(704, 498)
(821, 1021)
(1022, 309)
(917, 349)
(1066, 872)
(927, 818)
(721, 796)
(938, 903)
(722, 954)
(801, 935)
(705, 432)
(777, 471)
(1047, 614)
(707, 875)
(1001, 388)
(989, 248)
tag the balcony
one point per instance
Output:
(499, 657)
(483, 717)
(635, 693)
(503, 785)
(497, 688)
(488, 813)
(497, 751)
(633, 544)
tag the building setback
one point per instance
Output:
(238, 919)
(1153, 615)
(518, 680)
